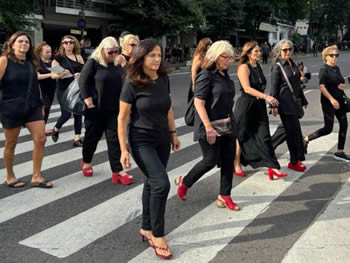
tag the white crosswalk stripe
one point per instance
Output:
(209, 230)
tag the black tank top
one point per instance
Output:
(257, 79)
(73, 66)
(15, 82)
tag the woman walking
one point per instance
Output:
(70, 59)
(332, 85)
(100, 85)
(285, 87)
(214, 92)
(21, 106)
(145, 101)
(255, 147)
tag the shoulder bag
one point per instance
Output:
(300, 110)
(18, 108)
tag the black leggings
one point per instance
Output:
(328, 115)
(48, 96)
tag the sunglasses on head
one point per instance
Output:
(285, 50)
(68, 42)
(333, 55)
(112, 52)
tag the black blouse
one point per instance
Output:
(218, 92)
(331, 77)
(49, 83)
(73, 66)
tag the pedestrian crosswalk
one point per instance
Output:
(197, 229)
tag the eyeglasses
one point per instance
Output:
(68, 42)
(333, 55)
(227, 57)
(112, 52)
(285, 50)
(133, 45)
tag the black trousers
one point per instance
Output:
(279, 136)
(265, 57)
(152, 159)
(221, 153)
(96, 123)
(294, 137)
(48, 96)
(328, 115)
(65, 115)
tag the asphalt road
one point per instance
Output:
(303, 218)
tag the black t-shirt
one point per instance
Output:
(106, 83)
(49, 83)
(73, 66)
(331, 77)
(218, 92)
(149, 110)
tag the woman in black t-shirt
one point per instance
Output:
(214, 92)
(332, 85)
(100, 86)
(145, 101)
(70, 59)
(17, 71)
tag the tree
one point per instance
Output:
(14, 16)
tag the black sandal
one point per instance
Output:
(55, 134)
(15, 184)
(43, 184)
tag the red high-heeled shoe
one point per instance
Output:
(226, 201)
(155, 247)
(299, 167)
(272, 173)
(144, 237)
(182, 189)
(241, 174)
(123, 179)
(86, 171)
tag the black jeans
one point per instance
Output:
(221, 153)
(65, 115)
(97, 122)
(294, 137)
(328, 115)
(279, 136)
(48, 96)
(152, 159)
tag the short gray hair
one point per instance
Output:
(276, 52)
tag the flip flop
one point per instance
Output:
(15, 184)
(43, 184)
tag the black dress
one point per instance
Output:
(253, 125)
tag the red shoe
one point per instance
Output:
(143, 238)
(226, 201)
(297, 167)
(88, 172)
(182, 189)
(272, 173)
(123, 179)
(241, 174)
(301, 165)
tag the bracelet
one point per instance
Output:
(208, 126)
(172, 131)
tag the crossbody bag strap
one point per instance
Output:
(286, 79)
(70, 65)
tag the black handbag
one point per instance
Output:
(222, 126)
(71, 99)
(190, 112)
(346, 103)
(18, 108)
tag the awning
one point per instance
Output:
(267, 27)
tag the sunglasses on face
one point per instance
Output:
(133, 45)
(112, 52)
(333, 55)
(285, 50)
(68, 42)
(227, 57)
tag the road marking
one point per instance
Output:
(308, 91)
(327, 239)
(201, 237)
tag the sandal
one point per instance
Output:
(88, 172)
(15, 184)
(78, 143)
(54, 135)
(162, 248)
(43, 184)
(123, 179)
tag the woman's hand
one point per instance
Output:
(89, 103)
(76, 75)
(271, 100)
(274, 111)
(211, 135)
(335, 103)
(341, 86)
(125, 160)
(176, 144)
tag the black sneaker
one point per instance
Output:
(341, 156)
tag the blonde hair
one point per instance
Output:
(76, 49)
(98, 54)
(326, 51)
(126, 40)
(215, 51)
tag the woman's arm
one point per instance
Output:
(87, 82)
(332, 100)
(80, 59)
(3, 65)
(172, 129)
(44, 76)
(196, 63)
(123, 120)
(59, 75)
(276, 81)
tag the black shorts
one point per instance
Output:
(35, 114)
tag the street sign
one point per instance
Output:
(77, 32)
(81, 23)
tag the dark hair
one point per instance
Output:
(202, 48)
(9, 52)
(247, 48)
(135, 71)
